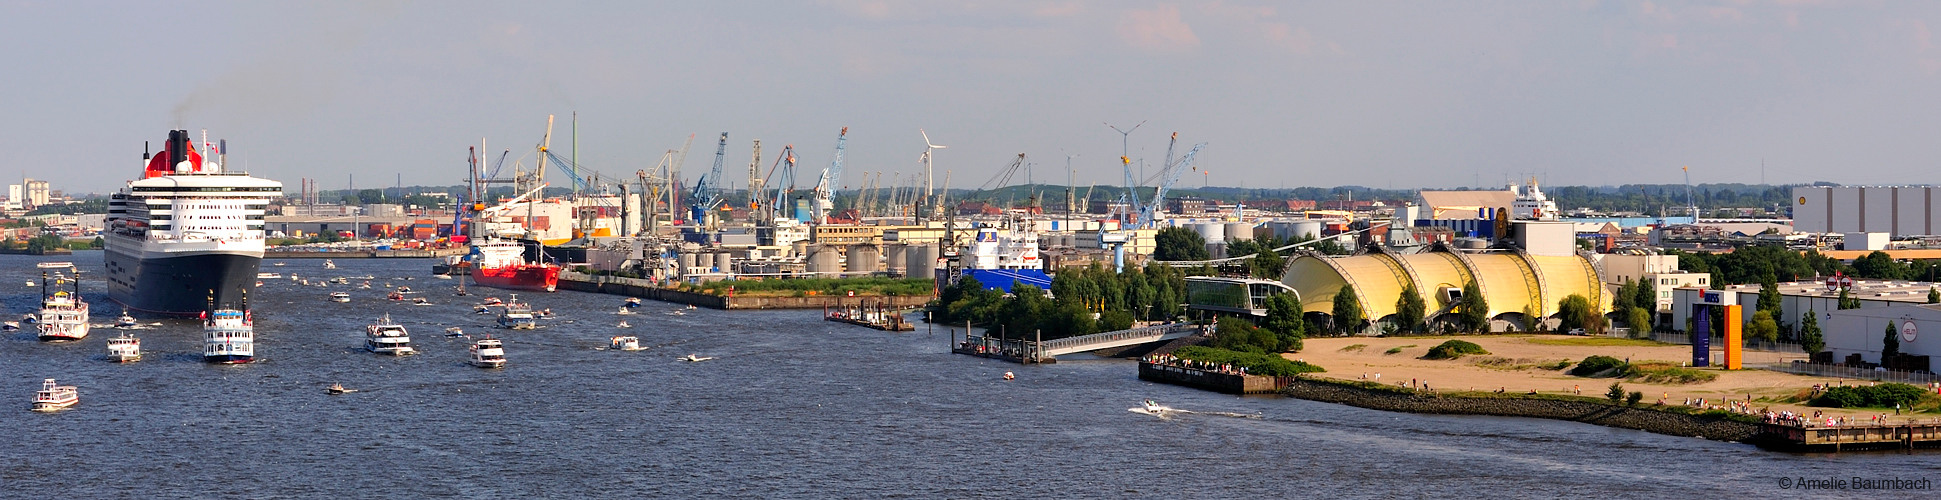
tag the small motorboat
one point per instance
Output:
(632, 302)
(623, 324)
(454, 332)
(482, 309)
(340, 280)
(364, 286)
(404, 289)
(624, 343)
(692, 358)
(394, 295)
(126, 321)
(28, 319)
(488, 352)
(624, 310)
(30, 283)
(420, 301)
(690, 307)
(491, 301)
(339, 297)
(279, 264)
(1010, 376)
(336, 389)
(444, 277)
(52, 398)
(329, 265)
(259, 284)
(124, 348)
(1151, 407)
(268, 276)
(11, 326)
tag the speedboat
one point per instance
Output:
(624, 343)
(126, 321)
(692, 358)
(364, 286)
(340, 280)
(124, 348)
(329, 265)
(623, 324)
(339, 297)
(404, 289)
(339, 389)
(420, 301)
(632, 302)
(454, 332)
(690, 307)
(29, 319)
(52, 398)
(488, 353)
(1151, 407)
(491, 301)
(482, 309)
(387, 337)
(624, 310)
(278, 264)
(11, 326)
(1010, 376)
(268, 276)
(395, 296)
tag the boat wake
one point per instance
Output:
(1169, 412)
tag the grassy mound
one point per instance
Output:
(1256, 363)
(1666, 373)
(1599, 366)
(1454, 349)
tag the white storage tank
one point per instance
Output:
(723, 262)
(862, 259)
(1240, 231)
(687, 261)
(824, 261)
(1210, 231)
(896, 258)
(1310, 229)
(922, 261)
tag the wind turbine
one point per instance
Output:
(929, 151)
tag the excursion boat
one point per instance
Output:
(517, 315)
(124, 348)
(339, 297)
(63, 315)
(624, 343)
(126, 321)
(186, 226)
(387, 337)
(488, 353)
(52, 398)
(228, 335)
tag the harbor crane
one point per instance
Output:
(707, 190)
(825, 187)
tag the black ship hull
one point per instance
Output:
(179, 285)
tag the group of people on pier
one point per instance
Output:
(1171, 360)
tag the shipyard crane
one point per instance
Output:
(785, 165)
(1168, 176)
(825, 188)
(707, 189)
(755, 184)
(999, 181)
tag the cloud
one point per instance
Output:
(1159, 29)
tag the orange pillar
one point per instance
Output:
(1733, 333)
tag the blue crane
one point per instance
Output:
(707, 190)
(825, 188)
(1168, 177)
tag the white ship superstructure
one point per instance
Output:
(186, 229)
(1006, 248)
(1531, 204)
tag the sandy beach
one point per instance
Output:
(1522, 363)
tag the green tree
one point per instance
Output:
(1112, 321)
(1878, 265)
(1769, 302)
(1347, 316)
(1934, 295)
(1890, 346)
(1847, 301)
(1410, 309)
(1284, 318)
(1639, 320)
(1473, 308)
(1237, 334)
(1178, 243)
(1763, 327)
(1576, 311)
(98, 244)
(1070, 320)
(1616, 393)
(1810, 339)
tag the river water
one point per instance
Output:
(792, 406)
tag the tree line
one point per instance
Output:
(1082, 301)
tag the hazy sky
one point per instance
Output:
(1401, 94)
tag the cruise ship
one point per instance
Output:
(186, 229)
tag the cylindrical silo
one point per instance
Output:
(1306, 229)
(1210, 231)
(824, 261)
(922, 261)
(723, 262)
(800, 247)
(687, 262)
(1240, 231)
(896, 258)
(862, 259)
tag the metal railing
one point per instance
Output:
(1082, 342)
(1843, 371)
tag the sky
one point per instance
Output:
(1284, 94)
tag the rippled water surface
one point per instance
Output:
(792, 407)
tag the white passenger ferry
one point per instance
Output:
(387, 337)
(55, 397)
(124, 348)
(488, 353)
(229, 336)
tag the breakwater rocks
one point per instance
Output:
(1640, 418)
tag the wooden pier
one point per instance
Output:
(879, 316)
(1910, 434)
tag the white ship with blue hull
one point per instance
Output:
(185, 230)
